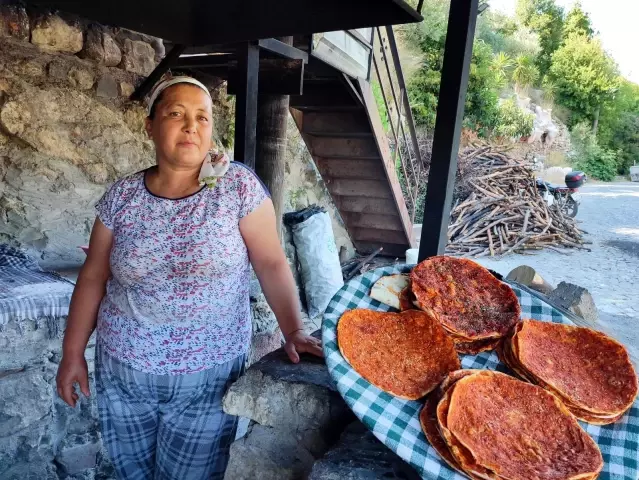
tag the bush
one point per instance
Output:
(598, 162)
(513, 121)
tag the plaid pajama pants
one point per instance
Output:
(165, 427)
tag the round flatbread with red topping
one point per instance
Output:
(405, 354)
(469, 301)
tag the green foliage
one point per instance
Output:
(501, 65)
(544, 18)
(504, 34)
(619, 125)
(525, 73)
(584, 77)
(482, 99)
(381, 105)
(513, 121)
(597, 161)
(577, 23)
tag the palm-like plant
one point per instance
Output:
(501, 65)
(525, 73)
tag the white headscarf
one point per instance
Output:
(172, 81)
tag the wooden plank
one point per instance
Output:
(345, 122)
(365, 205)
(384, 149)
(355, 168)
(390, 249)
(362, 188)
(372, 220)
(344, 147)
(378, 235)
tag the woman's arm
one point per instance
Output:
(275, 276)
(83, 311)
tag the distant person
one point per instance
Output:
(166, 283)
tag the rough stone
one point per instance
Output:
(262, 344)
(126, 89)
(360, 456)
(268, 454)
(29, 68)
(576, 299)
(107, 87)
(81, 78)
(14, 22)
(29, 342)
(138, 57)
(275, 392)
(25, 399)
(77, 455)
(52, 34)
(100, 47)
(264, 320)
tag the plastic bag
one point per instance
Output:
(317, 256)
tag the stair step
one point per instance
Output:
(355, 204)
(362, 188)
(338, 134)
(373, 221)
(344, 147)
(352, 168)
(378, 235)
(389, 249)
(355, 121)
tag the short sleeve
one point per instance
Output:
(252, 191)
(105, 207)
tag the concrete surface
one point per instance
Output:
(610, 215)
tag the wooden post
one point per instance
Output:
(248, 56)
(272, 117)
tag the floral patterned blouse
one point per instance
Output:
(177, 301)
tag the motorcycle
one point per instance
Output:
(566, 196)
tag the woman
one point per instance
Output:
(166, 280)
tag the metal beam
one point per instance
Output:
(450, 113)
(248, 57)
(282, 49)
(166, 63)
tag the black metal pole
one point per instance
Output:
(450, 113)
(248, 66)
(171, 58)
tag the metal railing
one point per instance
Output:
(389, 78)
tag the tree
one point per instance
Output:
(525, 73)
(501, 65)
(588, 155)
(577, 23)
(482, 99)
(544, 18)
(514, 122)
(585, 77)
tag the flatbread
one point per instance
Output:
(469, 301)
(406, 298)
(405, 354)
(590, 370)
(387, 290)
(476, 347)
(519, 430)
(430, 425)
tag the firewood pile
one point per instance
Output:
(498, 209)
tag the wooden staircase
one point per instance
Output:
(340, 123)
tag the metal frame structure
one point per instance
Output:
(448, 125)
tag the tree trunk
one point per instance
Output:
(272, 117)
(595, 124)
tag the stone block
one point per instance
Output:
(263, 344)
(25, 400)
(52, 34)
(576, 299)
(101, 47)
(268, 454)
(78, 454)
(107, 87)
(126, 89)
(275, 392)
(138, 57)
(29, 342)
(264, 320)
(81, 78)
(28, 453)
(360, 456)
(14, 22)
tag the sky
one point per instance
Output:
(617, 22)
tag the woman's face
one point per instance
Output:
(182, 126)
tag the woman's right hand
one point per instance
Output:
(72, 370)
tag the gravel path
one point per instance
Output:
(610, 214)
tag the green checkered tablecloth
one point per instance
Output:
(395, 421)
